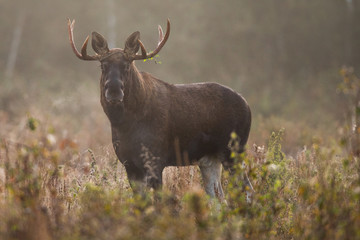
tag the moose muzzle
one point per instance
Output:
(114, 91)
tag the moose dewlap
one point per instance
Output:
(155, 124)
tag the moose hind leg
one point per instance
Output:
(211, 168)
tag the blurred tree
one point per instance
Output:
(111, 19)
(14, 47)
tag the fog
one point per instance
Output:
(284, 57)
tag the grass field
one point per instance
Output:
(60, 178)
(51, 188)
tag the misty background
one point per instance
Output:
(284, 57)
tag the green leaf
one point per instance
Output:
(32, 123)
(277, 184)
(343, 142)
(233, 135)
(358, 110)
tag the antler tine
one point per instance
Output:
(162, 41)
(71, 37)
(143, 50)
(84, 47)
(161, 34)
(83, 55)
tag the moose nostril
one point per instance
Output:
(114, 100)
(114, 96)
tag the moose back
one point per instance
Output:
(155, 124)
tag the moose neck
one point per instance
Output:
(135, 95)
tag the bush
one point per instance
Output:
(50, 189)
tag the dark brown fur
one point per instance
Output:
(155, 124)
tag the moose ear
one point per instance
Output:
(132, 43)
(99, 43)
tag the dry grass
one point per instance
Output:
(58, 180)
(50, 189)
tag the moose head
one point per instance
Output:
(116, 63)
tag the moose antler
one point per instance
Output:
(161, 43)
(83, 55)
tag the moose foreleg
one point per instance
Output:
(136, 179)
(153, 178)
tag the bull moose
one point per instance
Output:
(155, 124)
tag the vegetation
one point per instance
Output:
(59, 176)
(50, 190)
